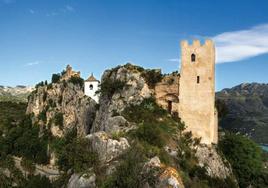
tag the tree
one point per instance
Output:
(244, 156)
(55, 78)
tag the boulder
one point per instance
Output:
(107, 148)
(86, 180)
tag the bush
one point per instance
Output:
(74, 153)
(40, 84)
(58, 120)
(76, 81)
(37, 181)
(55, 78)
(150, 133)
(152, 77)
(244, 156)
(128, 173)
(109, 86)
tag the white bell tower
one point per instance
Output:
(91, 86)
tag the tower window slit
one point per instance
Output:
(198, 79)
(193, 57)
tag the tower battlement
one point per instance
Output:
(197, 44)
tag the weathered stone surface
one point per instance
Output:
(133, 92)
(82, 181)
(166, 176)
(107, 148)
(67, 99)
(213, 162)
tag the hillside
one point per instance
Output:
(15, 94)
(247, 110)
(66, 139)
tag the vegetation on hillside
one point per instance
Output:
(156, 129)
(245, 157)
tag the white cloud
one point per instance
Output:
(176, 60)
(32, 63)
(242, 44)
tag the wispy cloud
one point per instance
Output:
(31, 11)
(7, 1)
(176, 60)
(60, 11)
(32, 63)
(242, 44)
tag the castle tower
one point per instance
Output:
(91, 86)
(197, 90)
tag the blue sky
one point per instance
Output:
(38, 38)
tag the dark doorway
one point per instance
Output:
(169, 107)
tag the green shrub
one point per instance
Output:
(127, 174)
(152, 77)
(58, 120)
(74, 153)
(109, 86)
(37, 181)
(244, 156)
(40, 84)
(76, 81)
(148, 110)
(43, 116)
(150, 133)
(55, 78)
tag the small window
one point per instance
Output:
(90, 86)
(198, 79)
(193, 57)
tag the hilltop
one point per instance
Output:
(247, 110)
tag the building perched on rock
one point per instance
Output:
(91, 87)
(69, 73)
(191, 94)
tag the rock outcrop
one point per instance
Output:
(165, 176)
(62, 106)
(215, 165)
(86, 180)
(107, 148)
(135, 89)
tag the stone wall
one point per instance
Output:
(167, 92)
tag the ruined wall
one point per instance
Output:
(167, 92)
(197, 90)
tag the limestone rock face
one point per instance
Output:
(107, 148)
(134, 91)
(165, 176)
(213, 162)
(82, 181)
(62, 106)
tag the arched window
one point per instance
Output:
(90, 86)
(193, 57)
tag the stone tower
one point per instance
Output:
(197, 90)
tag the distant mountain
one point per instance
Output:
(247, 110)
(16, 94)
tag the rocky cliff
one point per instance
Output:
(62, 106)
(122, 86)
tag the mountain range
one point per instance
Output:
(17, 94)
(247, 110)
